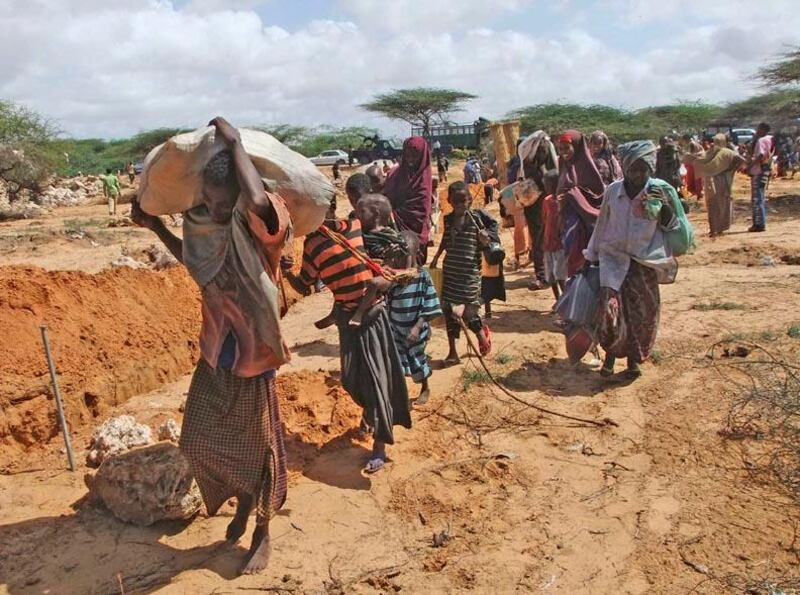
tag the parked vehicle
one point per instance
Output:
(743, 136)
(374, 149)
(330, 157)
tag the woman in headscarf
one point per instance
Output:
(717, 167)
(409, 188)
(537, 155)
(630, 245)
(604, 159)
(580, 192)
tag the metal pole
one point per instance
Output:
(57, 394)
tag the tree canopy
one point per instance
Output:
(26, 152)
(420, 106)
(620, 124)
(784, 71)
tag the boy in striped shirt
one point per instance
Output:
(411, 308)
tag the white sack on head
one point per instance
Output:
(172, 178)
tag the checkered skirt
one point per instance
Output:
(232, 437)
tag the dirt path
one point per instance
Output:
(659, 504)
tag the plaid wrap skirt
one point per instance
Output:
(232, 437)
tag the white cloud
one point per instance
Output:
(427, 15)
(112, 69)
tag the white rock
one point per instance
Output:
(169, 430)
(127, 261)
(117, 435)
(147, 485)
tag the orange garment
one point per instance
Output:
(222, 313)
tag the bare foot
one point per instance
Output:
(238, 525)
(423, 397)
(258, 556)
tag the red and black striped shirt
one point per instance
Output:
(334, 265)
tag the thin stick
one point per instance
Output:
(57, 394)
(600, 423)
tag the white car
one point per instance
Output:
(331, 157)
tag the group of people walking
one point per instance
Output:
(589, 207)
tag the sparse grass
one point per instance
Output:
(503, 358)
(707, 307)
(794, 331)
(78, 225)
(470, 377)
(656, 357)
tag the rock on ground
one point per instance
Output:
(147, 485)
(115, 436)
(170, 431)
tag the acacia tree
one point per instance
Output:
(26, 152)
(420, 106)
(783, 72)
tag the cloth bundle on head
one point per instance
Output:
(631, 152)
(410, 189)
(529, 147)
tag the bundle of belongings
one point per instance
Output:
(172, 182)
(578, 309)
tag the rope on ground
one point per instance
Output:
(605, 422)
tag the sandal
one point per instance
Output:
(374, 465)
(486, 348)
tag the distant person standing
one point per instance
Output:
(692, 150)
(442, 165)
(668, 163)
(337, 176)
(131, 171)
(759, 165)
(350, 156)
(111, 190)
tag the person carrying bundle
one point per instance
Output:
(232, 435)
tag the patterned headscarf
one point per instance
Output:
(631, 152)
(529, 147)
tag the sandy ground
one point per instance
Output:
(660, 503)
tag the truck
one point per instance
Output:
(374, 148)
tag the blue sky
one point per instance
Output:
(114, 68)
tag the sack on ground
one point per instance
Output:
(171, 181)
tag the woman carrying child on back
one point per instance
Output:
(466, 233)
(371, 369)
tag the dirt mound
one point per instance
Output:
(115, 334)
(318, 414)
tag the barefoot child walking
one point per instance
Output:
(466, 232)
(412, 306)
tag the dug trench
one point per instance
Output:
(114, 335)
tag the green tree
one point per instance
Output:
(420, 106)
(780, 108)
(26, 152)
(783, 72)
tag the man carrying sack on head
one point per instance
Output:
(232, 434)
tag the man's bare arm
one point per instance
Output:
(173, 243)
(250, 184)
